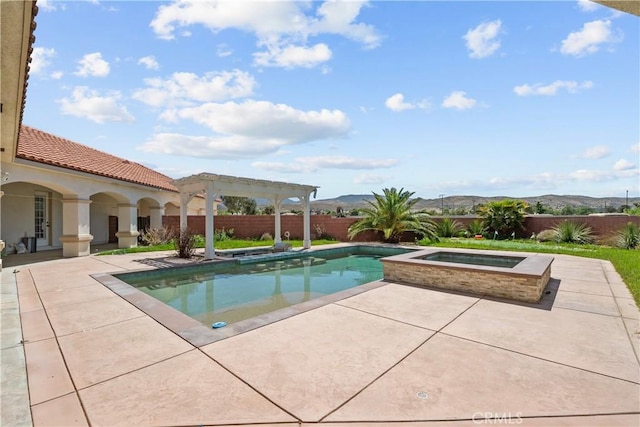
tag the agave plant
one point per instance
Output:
(391, 214)
(572, 232)
(629, 236)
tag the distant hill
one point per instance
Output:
(553, 201)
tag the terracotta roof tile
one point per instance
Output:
(42, 147)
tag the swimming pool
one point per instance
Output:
(238, 290)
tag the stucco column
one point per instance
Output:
(1, 241)
(209, 248)
(76, 238)
(306, 207)
(127, 225)
(277, 203)
(155, 214)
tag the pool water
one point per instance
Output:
(231, 292)
(474, 259)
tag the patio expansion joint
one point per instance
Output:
(64, 360)
(239, 378)
(399, 361)
(540, 358)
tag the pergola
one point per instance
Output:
(212, 186)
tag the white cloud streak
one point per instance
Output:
(587, 5)
(91, 105)
(589, 39)
(40, 58)
(149, 62)
(459, 101)
(313, 164)
(183, 89)
(93, 65)
(597, 152)
(482, 41)
(247, 129)
(281, 27)
(553, 88)
(623, 165)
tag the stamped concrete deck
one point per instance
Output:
(392, 355)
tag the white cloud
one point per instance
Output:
(182, 89)
(459, 101)
(371, 179)
(40, 58)
(591, 175)
(597, 152)
(282, 27)
(57, 75)
(293, 56)
(48, 6)
(248, 129)
(397, 103)
(587, 5)
(552, 89)
(482, 41)
(623, 165)
(223, 50)
(89, 104)
(312, 164)
(635, 148)
(589, 39)
(92, 64)
(149, 62)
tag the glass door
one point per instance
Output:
(41, 218)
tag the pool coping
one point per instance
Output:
(198, 334)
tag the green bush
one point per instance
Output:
(476, 228)
(221, 235)
(448, 227)
(504, 217)
(572, 232)
(629, 236)
(546, 236)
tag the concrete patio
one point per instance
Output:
(388, 356)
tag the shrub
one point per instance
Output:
(504, 217)
(572, 232)
(156, 236)
(629, 236)
(476, 228)
(321, 232)
(448, 227)
(220, 235)
(185, 244)
(266, 236)
(546, 236)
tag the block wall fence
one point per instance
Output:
(252, 226)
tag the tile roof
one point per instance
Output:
(42, 147)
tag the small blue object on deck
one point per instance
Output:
(219, 325)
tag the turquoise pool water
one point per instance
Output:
(234, 291)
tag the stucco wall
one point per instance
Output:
(102, 205)
(18, 213)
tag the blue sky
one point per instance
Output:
(505, 98)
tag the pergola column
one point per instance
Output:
(127, 225)
(185, 198)
(209, 248)
(76, 237)
(155, 216)
(306, 208)
(277, 205)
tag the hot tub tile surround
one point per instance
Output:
(524, 282)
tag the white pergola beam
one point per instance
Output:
(213, 185)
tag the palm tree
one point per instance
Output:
(504, 216)
(391, 214)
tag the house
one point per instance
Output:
(68, 195)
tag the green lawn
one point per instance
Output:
(626, 261)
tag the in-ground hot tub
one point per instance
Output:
(520, 277)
